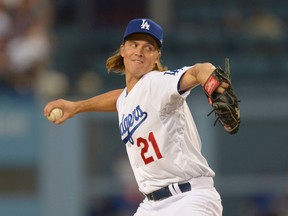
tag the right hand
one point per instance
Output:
(68, 108)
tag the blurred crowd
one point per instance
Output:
(25, 43)
(26, 40)
(264, 205)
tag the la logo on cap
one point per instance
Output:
(145, 24)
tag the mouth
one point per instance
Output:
(138, 61)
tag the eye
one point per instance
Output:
(132, 44)
(149, 48)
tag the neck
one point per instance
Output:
(131, 82)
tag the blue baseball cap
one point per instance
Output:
(147, 26)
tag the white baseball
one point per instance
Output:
(55, 114)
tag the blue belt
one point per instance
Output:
(164, 193)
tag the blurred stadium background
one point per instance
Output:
(52, 49)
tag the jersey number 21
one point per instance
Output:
(145, 144)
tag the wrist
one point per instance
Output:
(204, 71)
(78, 106)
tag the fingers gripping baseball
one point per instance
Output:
(55, 115)
(59, 111)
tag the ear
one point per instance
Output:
(159, 56)
(121, 50)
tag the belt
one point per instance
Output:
(165, 192)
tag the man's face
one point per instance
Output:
(140, 53)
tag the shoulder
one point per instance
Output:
(176, 72)
(122, 95)
(167, 73)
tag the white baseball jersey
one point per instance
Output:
(159, 132)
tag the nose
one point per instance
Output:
(139, 51)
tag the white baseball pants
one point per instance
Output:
(200, 201)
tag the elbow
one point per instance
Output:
(204, 66)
